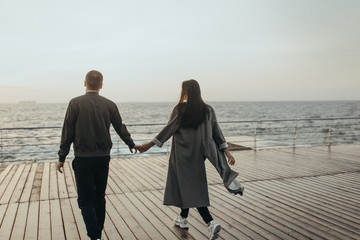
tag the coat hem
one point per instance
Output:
(189, 206)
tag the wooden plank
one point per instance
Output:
(230, 222)
(150, 217)
(36, 188)
(117, 228)
(290, 168)
(251, 226)
(151, 180)
(315, 192)
(20, 185)
(44, 193)
(196, 229)
(70, 183)
(2, 167)
(114, 176)
(130, 220)
(2, 212)
(78, 219)
(5, 172)
(7, 180)
(141, 176)
(62, 185)
(351, 150)
(12, 185)
(110, 230)
(72, 173)
(103, 235)
(31, 232)
(140, 218)
(109, 190)
(249, 171)
(113, 186)
(44, 227)
(119, 178)
(339, 157)
(8, 221)
(325, 216)
(25, 196)
(284, 213)
(250, 218)
(314, 196)
(159, 165)
(167, 216)
(57, 224)
(20, 222)
(305, 213)
(53, 187)
(128, 179)
(69, 222)
(349, 191)
(350, 178)
(165, 222)
(263, 210)
(292, 204)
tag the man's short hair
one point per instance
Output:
(94, 79)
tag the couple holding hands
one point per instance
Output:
(196, 136)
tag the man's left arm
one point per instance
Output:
(120, 128)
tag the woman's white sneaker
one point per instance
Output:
(182, 222)
(214, 230)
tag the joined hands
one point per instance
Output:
(142, 148)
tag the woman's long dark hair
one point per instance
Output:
(192, 109)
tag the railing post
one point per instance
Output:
(330, 133)
(294, 134)
(257, 125)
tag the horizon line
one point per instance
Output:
(325, 100)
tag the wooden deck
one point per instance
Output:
(309, 193)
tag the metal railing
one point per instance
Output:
(296, 132)
(30, 144)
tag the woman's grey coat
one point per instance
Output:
(186, 184)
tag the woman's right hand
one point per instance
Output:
(230, 157)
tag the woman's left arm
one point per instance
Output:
(169, 130)
(171, 127)
(217, 133)
(220, 139)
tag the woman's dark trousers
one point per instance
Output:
(204, 212)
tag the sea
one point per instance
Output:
(30, 131)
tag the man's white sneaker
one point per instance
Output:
(182, 222)
(214, 230)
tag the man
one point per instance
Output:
(86, 126)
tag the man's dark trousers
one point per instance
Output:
(91, 174)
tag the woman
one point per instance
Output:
(196, 136)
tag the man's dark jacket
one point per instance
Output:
(87, 126)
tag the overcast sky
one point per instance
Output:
(254, 50)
